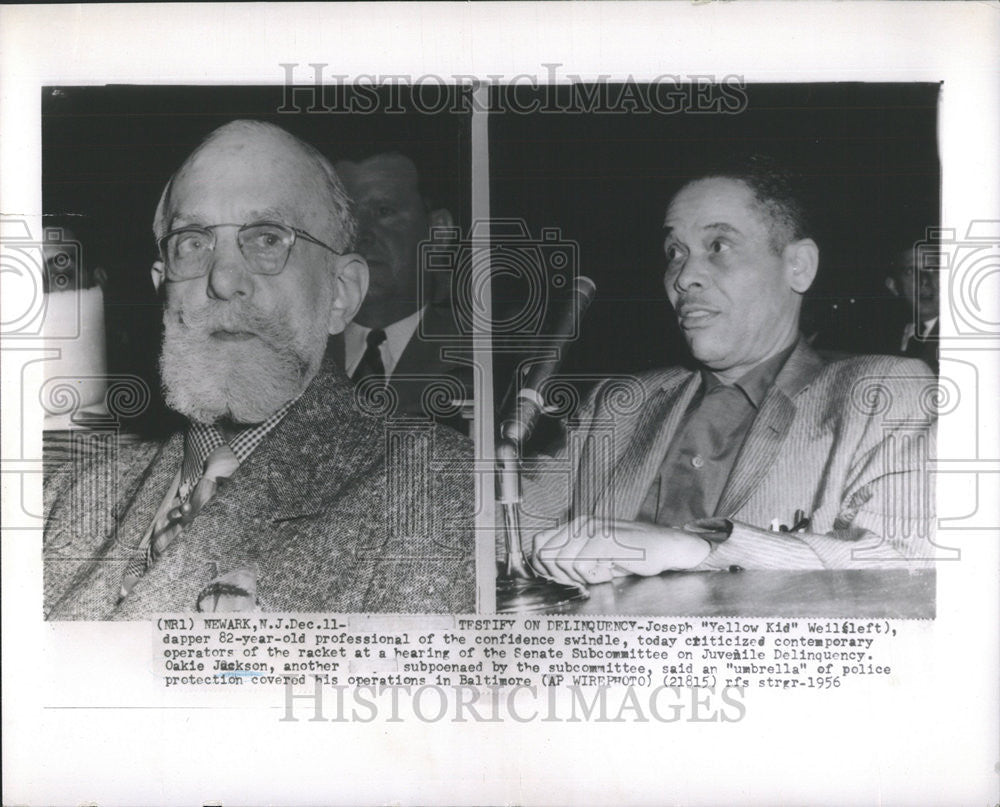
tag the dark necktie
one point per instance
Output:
(371, 365)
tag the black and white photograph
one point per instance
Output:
(500, 403)
(265, 435)
(740, 407)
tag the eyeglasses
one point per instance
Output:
(265, 245)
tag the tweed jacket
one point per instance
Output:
(443, 361)
(846, 442)
(338, 509)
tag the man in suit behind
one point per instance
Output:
(283, 492)
(913, 278)
(405, 333)
(811, 464)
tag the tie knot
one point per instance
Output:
(375, 337)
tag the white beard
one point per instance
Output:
(208, 379)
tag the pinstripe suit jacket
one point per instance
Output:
(338, 509)
(845, 441)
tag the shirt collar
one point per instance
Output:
(910, 331)
(202, 439)
(758, 380)
(397, 337)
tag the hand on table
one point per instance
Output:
(586, 550)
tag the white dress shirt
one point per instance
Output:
(397, 337)
(909, 331)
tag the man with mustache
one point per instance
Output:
(763, 456)
(282, 493)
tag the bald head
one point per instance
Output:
(238, 153)
(243, 337)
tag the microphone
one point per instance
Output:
(529, 404)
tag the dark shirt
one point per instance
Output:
(701, 456)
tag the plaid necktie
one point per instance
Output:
(204, 461)
(188, 502)
(219, 466)
(371, 364)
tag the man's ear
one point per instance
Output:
(801, 263)
(893, 286)
(350, 288)
(158, 273)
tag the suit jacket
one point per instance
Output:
(338, 509)
(440, 359)
(887, 323)
(925, 349)
(846, 442)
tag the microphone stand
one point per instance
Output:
(519, 587)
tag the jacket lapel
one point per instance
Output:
(323, 445)
(420, 356)
(647, 444)
(104, 542)
(770, 428)
(137, 513)
(265, 518)
(423, 360)
(426, 360)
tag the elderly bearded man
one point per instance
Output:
(282, 494)
(763, 435)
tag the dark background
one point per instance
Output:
(867, 154)
(107, 153)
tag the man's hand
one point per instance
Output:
(586, 550)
